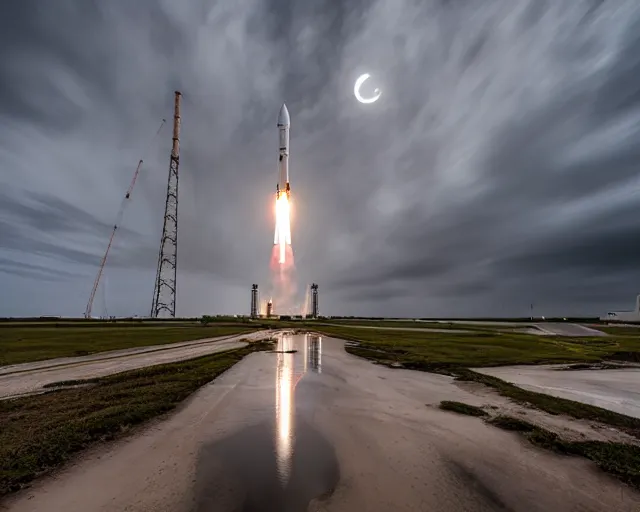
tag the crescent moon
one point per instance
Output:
(356, 90)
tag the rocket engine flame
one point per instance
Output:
(282, 264)
(282, 236)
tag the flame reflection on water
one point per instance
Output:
(287, 377)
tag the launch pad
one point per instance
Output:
(266, 308)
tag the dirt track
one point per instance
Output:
(28, 378)
(322, 430)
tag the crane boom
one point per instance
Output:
(96, 283)
(127, 196)
(87, 312)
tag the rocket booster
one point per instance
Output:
(283, 163)
(282, 236)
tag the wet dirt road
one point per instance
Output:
(321, 430)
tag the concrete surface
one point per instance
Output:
(322, 430)
(548, 328)
(616, 390)
(29, 378)
(566, 329)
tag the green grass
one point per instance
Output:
(406, 324)
(24, 344)
(462, 408)
(620, 460)
(38, 434)
(442, 352)
(620, 331)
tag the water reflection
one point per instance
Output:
(290, 369)
(315, 352)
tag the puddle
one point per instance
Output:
(280, 464)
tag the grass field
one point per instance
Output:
(33, 343)
(620, 331)
(40, 433)
(407, 324)
(443, 351)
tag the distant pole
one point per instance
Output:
(532, 312)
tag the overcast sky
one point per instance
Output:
(500, 167)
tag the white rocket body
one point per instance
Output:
(282, 236)
(284, 122)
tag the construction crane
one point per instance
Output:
(127, 198)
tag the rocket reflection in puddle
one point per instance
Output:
(314, 356)
(289, 371)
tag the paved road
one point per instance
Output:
(616, 390)
(321, 430)
(28, 378)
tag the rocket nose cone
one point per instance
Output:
(283, 116)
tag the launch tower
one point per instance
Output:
(164, 293)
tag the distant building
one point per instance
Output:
(624, 316)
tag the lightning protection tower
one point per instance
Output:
(164, 293)
(254, 301)
(314, 300)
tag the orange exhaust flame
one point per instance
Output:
(282, 262)
(282, 237)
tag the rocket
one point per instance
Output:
(282, 235)
(283, 163)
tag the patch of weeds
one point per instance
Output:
(618, 459)
(462, 408)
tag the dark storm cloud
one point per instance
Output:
(498, 168)
(52, 215)
(33, 271)
(17, 241)
(546, 155)
(33, 222)
(605, 251)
